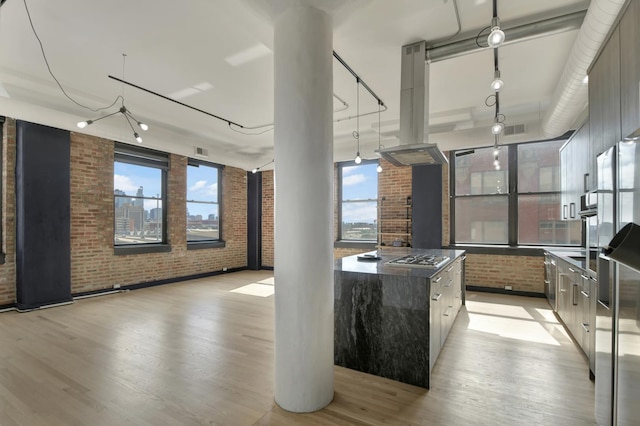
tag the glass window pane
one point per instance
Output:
(539, 222)
(360, 182)
(482, 220)
(359, 207)
(202, 222)
(203, 216)
(476, 173)
(202, 183)
(138, 204)
(539, 166)
(359, 221)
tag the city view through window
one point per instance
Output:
(138, 204)
(359, 206)
(203, 208)
(137, 194)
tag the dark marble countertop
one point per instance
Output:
(574, 256)
(379, 267)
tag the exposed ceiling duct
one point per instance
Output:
(570, 97)
(414, 148)
(513, 34)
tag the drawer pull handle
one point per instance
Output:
(572, 270)
(438, 280)
(436, 297)
(585, 325)
(584, 293)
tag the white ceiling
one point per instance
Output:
(173, 46)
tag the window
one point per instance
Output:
(539, 197)
(517, 204)
(139, 194)
(481, 198)
(203, 202)
(358, 209)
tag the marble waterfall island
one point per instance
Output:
(391, 321)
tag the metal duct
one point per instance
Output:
(571, 95)
(545, 27)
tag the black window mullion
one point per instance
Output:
(513, 195)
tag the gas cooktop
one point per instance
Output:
(419, 261)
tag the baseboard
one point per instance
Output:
(503, 291)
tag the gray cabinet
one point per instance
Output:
(604, 100)
(630, 69)
(574, 172)
(446, 301)
(550, 280)
(576, 296)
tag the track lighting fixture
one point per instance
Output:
(124, 111)
(257, 169)
(497, 83)
(497, 127)
(356, 133)
(496, 37)
(379, 168)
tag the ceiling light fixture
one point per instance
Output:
(122, 110)
(356, 133)
(497, 84)
(497, 127)
(257, 169)
(379, 168)
(496, 37)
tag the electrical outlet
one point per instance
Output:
(508, 287)
(116, 286)
(224, 269)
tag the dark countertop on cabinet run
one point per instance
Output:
(574, 256)
(379, 267)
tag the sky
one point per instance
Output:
(358, 183)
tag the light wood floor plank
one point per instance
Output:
(196, 353)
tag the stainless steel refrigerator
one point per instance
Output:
(618, 308)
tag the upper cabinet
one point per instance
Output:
(604, 103)
(630, 69)
(574, 172)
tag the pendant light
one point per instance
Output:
(122, 110)
(356, 133)
(379, 168)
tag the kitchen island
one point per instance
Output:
(392, 320)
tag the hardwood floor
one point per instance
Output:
(196, 353)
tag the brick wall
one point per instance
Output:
(8, 269)
(523, 273)
(268, 208)
(94, 265)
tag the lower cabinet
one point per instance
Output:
(446, 301)
(576, 293)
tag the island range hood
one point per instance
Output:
(413, 149)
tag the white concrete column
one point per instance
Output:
(303, 207)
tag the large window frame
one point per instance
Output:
(145, 157)
(213, 242)
(346, 243)
(512, 195)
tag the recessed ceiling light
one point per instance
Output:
(248, 55)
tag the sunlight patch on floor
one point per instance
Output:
(270, 281)
(255, 289)
(496, 309)
(511, 328)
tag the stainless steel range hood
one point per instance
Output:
(413, 149)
